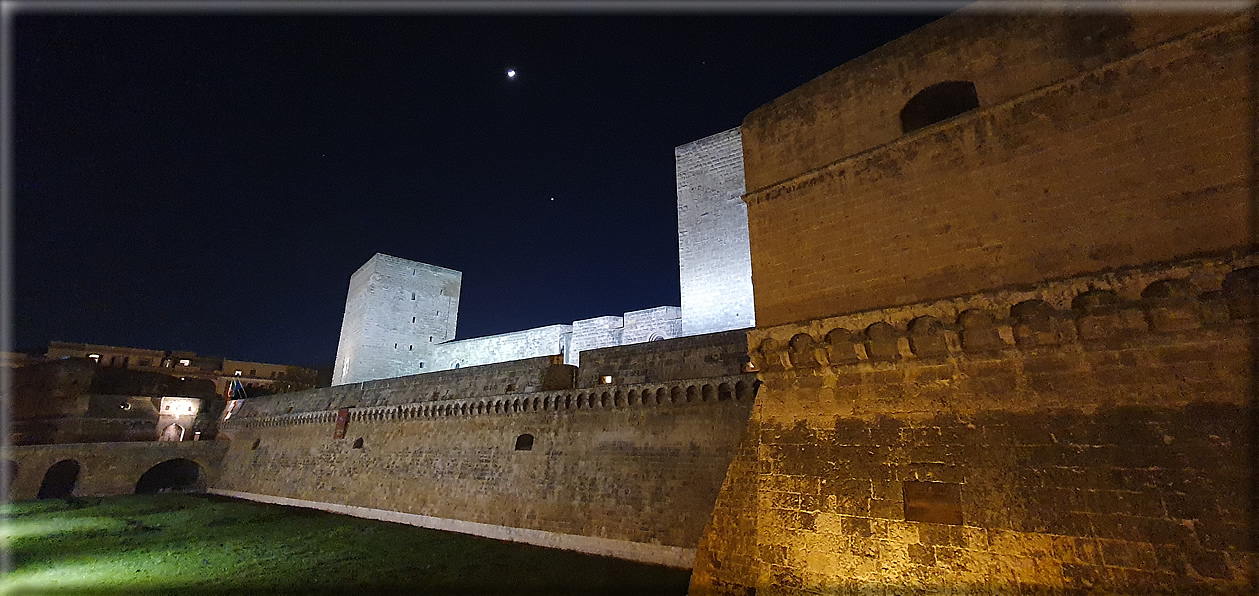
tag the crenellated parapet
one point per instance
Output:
(1159, 299)
(687, 392)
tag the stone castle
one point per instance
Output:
(1004, 272)
(400, 315)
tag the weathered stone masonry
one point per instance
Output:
(1010, 349)
(629, 469)
(1094, 432)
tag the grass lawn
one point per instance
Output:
(204, 544)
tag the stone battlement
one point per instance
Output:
(1160, 298)
(709, 390)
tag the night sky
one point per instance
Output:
(210, 182)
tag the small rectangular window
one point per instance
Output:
(933, 502)
(413, 295)
(412, 319)
(411, 347)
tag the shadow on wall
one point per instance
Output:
(182, 475)
(59, 480)
(7, 475)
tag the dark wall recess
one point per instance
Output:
(937, 103)
(524, 442)
(933, 502)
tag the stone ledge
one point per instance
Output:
(656, 554)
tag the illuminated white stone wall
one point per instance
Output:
(395, 312)
(597, 332)
(400, 315)
(504, 347)
(714, 257)
(661, 322)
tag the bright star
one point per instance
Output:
(511, 74)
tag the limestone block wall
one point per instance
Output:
(504, 347)
(714, 262)
(630, 470)
(1088, 434)
(855, 107)
(104, 468)
(1100, 142)
(395, 311)
(651, 324)
(518, 376)
(597, 332)
(697, 356)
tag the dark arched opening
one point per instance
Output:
(59, 480)
(524, 442)
(937, 103)
(171, 475)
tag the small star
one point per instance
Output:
(552, 198)
(511, 74)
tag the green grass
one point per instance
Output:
(202, 544)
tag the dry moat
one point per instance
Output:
(202, 544)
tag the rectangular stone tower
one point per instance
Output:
(714, 257)
(395, 312)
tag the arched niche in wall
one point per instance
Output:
(59, 480)
(937, 103)
(524, 442)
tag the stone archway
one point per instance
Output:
(172, 433)
(59, 480)
(178, 474)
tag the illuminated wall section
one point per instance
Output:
(714, 259)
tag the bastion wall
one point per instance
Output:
(629, 468)
(1100, 140)
(1006, 287)
(1088, 434)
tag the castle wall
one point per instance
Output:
(594, 333)
(697, 356)
(518, 376)
(395, 311)
(651, 324)
(714, 262)
(625, 470)
(1060, 171)
(1085, 434)
(855, 107)
(504, 347)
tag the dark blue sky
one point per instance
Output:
(209, 182)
